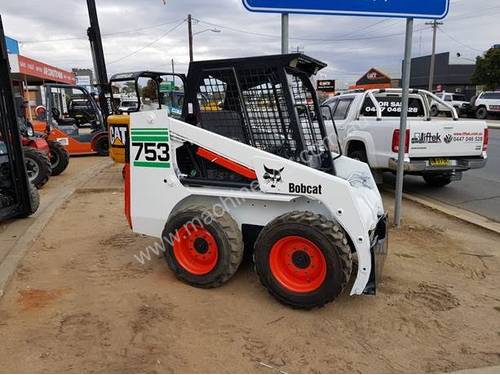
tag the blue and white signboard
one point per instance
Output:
(430, 9)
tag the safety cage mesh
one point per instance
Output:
(263, 107)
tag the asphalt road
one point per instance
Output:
(479, 191)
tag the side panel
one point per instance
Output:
(156, 190)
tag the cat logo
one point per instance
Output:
(118, 135)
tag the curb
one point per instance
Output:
(454, 212)
(9, 264)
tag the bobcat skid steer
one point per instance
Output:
(255, 171)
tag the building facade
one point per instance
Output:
(450, 75)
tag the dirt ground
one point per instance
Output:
(81, 302)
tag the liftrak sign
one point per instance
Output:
(430, 9)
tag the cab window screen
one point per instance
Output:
(391, 107)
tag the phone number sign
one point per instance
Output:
(429, 9)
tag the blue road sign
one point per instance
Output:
(430, 9)
(12, 45)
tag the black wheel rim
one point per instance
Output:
(54, 160)
(32, 169)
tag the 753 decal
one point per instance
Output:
(150, 148)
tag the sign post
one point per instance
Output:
(285, 28)
(403, 120)
(409, 9)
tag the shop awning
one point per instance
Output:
(36, 72)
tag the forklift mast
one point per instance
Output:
(15, 191)
(94, 34)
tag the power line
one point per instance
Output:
(303, 39)
(149, 44)
(459, 42)
(103, 35)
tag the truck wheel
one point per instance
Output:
(358, 154)
(437, 180)
(481, 113)
(303, 259)
(202, 255)
(434, 111)
(37, 166)
(59, 158)
(102, 146)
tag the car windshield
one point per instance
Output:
(129, 104)
(459, 98)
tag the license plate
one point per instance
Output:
(439, 162)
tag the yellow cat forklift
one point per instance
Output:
(18, 197)
(137, 92)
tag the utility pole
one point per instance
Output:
(94, 34)
(190, 36)
(434, 25)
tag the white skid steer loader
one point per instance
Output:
(250, 167)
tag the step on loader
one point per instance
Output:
(250, 166)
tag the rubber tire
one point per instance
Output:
(359, 154)
(437, 180)
(229, 240)
(62, 155)
(102, 146)
(327, 235)
(434, 111)
(35, 199)
(481, 113)
(43, 163)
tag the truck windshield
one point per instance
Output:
(391, 107)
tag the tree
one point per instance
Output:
(488, 69)
(150, 90)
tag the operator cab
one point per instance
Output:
(267, 102)
(70, 108)
(146, 91)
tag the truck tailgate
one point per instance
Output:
(446, 138)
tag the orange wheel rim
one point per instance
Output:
(196, 250)
(298, 264)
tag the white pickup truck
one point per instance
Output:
(367, 124)
(456, 100)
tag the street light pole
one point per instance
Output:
(434, 25)
(192, 35)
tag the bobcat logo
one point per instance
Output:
(448, 139)
(273, 176)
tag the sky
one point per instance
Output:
(148, 34)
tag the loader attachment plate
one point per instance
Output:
(379, 251)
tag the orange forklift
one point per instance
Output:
(77, 138)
